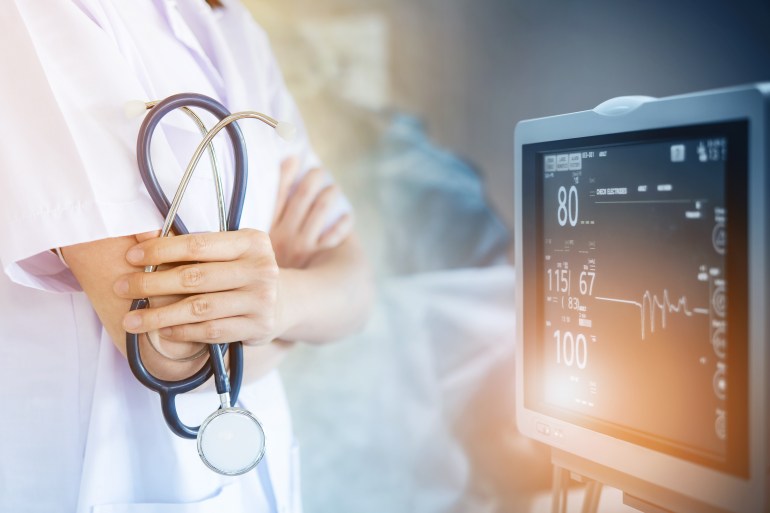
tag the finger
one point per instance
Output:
(194, 309)
(298, 204)
(335, 235)
(141, 237)
(318, 217)
(194, 279)
(199, 247)
(289, 170)
(218, 331)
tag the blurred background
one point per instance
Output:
(412, 106)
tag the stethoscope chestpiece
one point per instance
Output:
(231, 441)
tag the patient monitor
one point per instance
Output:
(642, 234)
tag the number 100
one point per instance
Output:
(571, 350)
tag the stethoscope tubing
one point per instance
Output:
(147, 171)
(168, 390)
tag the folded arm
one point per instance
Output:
(234, 291)
(303, 282)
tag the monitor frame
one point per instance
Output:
(704, 484)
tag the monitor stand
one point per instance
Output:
(637, 494)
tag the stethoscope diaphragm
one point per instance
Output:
(231, 441)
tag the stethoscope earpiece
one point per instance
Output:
(287, 131)
(134, 108)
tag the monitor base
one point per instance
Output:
(638, 494)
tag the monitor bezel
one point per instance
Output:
(705, 484)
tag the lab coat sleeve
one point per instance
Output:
(282, 105)
(67, 163)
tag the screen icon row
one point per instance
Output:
(563, 162)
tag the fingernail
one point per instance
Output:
(166, 332)
(132, 321)
(121, 287)
(135, 255)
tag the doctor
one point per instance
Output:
(76, 228)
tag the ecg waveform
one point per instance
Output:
(651, 304)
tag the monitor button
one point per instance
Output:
(621, 105)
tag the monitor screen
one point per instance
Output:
(640, 289)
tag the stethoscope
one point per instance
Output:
(231, 440)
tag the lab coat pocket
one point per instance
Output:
(229, 499)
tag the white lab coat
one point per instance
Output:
(78, 432)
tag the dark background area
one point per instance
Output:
(474, 68)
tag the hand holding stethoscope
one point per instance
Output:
(231, 440)
(232, 287)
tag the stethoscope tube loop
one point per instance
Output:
(144, 160)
